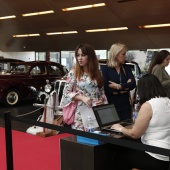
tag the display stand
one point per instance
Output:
(48, 117)
(50, 107)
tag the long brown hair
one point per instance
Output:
(93, 65)
(159, 58)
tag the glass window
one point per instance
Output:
(54, 70)
(38, 70)
(54, 56)
(20, 68)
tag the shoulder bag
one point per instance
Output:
(69, 111)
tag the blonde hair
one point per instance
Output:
(114, 52)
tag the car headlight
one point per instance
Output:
(48, 88)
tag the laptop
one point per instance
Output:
(106, 115)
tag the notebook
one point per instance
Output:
(106, 115)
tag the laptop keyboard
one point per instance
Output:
(125, 124)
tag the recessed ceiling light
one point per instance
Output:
(38, 13)
(8, 17)
(83, 7)
(26, 35)
(156, 25)
(68, 32)
(107, 29)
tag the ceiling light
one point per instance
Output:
(154, 26)
(83, 7)
(68, 32)
(38, 13)
(107, 29)
(8, 17)
(26, 35)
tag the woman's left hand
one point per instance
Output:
(99, 102)
(117, 127)
(129, 80)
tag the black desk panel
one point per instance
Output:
(80, 156)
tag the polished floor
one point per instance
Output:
(26, 109)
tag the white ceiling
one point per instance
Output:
(125, 13)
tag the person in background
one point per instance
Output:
(118, 81)
(157, 67)
(153, 131)
(87, 78)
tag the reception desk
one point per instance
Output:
(81, 156)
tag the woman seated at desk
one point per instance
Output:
(152, 125)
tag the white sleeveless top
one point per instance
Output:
(158, 131)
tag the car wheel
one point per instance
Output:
(12, 97)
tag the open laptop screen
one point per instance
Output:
(106, 114)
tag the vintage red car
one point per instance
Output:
(25, 79)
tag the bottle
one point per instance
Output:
(89, 126)
(137, 99)
(135, 111)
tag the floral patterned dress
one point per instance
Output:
(86, 87)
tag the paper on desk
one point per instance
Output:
(85, 112)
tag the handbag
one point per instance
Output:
(69, 111)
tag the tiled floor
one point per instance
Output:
(25, 108)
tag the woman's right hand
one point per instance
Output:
(112, 85)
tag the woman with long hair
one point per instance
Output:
(84, 83)
(157, 67)
(152, 126)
